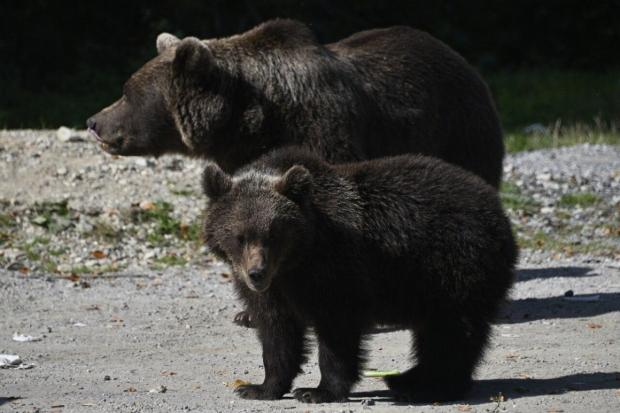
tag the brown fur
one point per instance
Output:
(409, 241)
(376, 93)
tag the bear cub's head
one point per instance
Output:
(260, 223)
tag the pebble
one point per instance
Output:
(66, 134)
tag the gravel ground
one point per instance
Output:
(100, 257)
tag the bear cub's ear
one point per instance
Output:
(192, 55)
(165, 41)
(295, 184)
(215, 182)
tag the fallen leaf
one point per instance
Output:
(24, 270)
(147, 205)
(98, 254)
(237, 383)
(130, 390)
(168, 373)
(594, 325)
(92, 307)
(184, 229)
(116, 319)
(225, 275)
(73, 277)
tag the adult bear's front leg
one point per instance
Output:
(340, 357)
(282, 337)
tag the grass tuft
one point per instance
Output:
(582, 199)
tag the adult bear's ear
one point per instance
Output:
(215, 182)
(192, 55)
(165, 41)
(295, 184)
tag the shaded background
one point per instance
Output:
(61, 61)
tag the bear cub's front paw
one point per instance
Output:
(257, 392)
(244, 319)
(316, 395)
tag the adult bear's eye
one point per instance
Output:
(241, 239)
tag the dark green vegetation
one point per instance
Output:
(545, 61)
(582, 199)
(569, 107)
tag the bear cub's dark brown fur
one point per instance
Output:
(409, 241)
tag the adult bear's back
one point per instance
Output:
(432, 101)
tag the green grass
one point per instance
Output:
(165, 225)
(7, 228)
(513, 199)
(562, 136)
(53, 216)
(582, 199)
(182, 191)
(38, 251)
(168, 261)
(541, 241)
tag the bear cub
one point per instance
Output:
(409, 241)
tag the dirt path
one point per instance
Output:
(109, 336)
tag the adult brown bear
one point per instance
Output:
(377, 93)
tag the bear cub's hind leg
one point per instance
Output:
(447, 351)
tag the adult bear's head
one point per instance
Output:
(197, 96)
(164, 101)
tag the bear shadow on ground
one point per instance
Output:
(531, 309)
(8, 399)
(485, 390)
(532, 273)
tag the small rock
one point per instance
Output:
(159, 389)
(107, 378)
(569, 293)
(367, 402)
(147, 205)
(65, 134)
